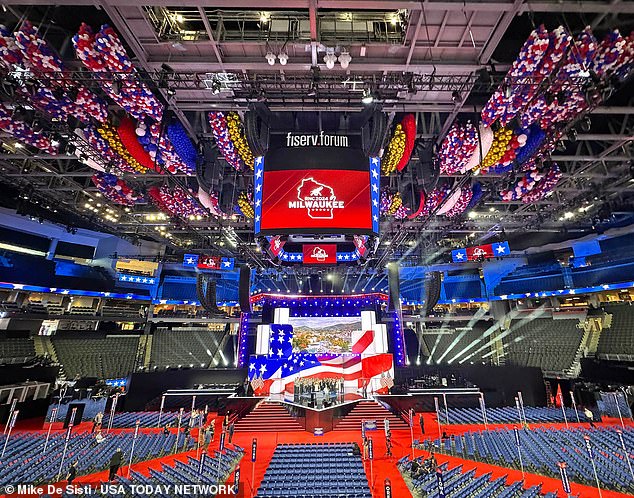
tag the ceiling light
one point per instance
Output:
(472, 214)
(270, 58)
(330, 58)
(264, 17)
(568, 215)
(585, 124)
(455, 96)
(394, 20)
(344, 59)
(283, 58)
(367, 97)
(18, 145)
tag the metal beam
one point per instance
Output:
(587, 7)
(210, 35)
(412, 43)
(495, 38)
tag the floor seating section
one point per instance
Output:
(173, 347)
(91, 408)
(12, 349)
(150, 419)
(542, 449)
(214, 470)
(24, 461)
(268, 417)
(109, 357)
(508, 414)
(461, 484)
(369, 410)
(543, 343)
(618, 339)
(315, 471)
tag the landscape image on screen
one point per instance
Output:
(324, 334)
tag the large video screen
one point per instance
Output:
(328, 193)
(323, 334)
(332, 199)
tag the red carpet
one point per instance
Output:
(382, 466)
(268, 417)
(369, 410)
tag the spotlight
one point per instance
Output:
(270, 58)
(58, 93)
(215, 87)
(561, 146)
(455, 96)
(484, 76)
(572, 135)
(19, 113)
(264, 17)
(330, 58)
(283, 58)
(367, 97)
(585, 124)
(344, 59)
(116, 87)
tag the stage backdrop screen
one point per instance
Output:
(315, 189)
(323, 334)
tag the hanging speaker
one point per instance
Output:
(256, 129)
(394, 287)
(373, 133)
(244, 289)
(428, 170)
(433, 282)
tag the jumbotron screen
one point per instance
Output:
(339, 194)
(323, 334)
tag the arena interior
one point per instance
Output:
(317, 248)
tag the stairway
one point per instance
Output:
(369, 410)
(268, 417)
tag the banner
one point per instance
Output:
(370, 449)
(369, 425)
(222, 441)
(517, 437)
(478, 253)
(388, 488)
(236, 479)
(563, 473)
(254, 448)
(276, 244)
(589, 447)
(440, 480)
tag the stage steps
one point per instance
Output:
(268, 417)
(369, 410)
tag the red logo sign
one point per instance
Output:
(209, 262)
(276, 245)
(320, 254)
(478, 253)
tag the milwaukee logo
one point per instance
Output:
(318, 199)
(319, 140)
